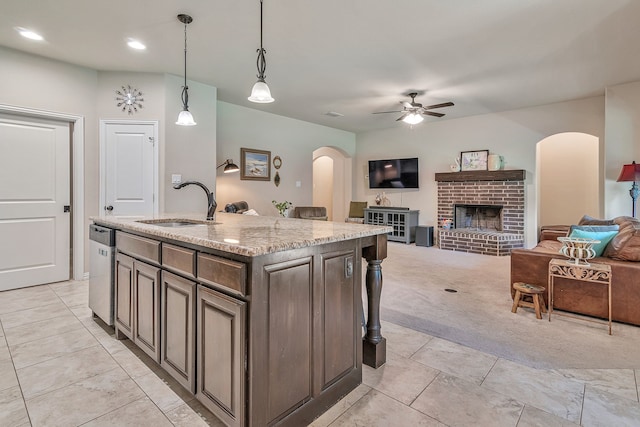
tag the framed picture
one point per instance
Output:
(474, 160)
(255, 164)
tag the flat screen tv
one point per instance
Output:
(393, 173)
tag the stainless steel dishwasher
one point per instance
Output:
(102, 241)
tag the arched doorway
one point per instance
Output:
(332, 187)
(569, 180)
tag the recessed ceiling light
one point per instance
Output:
(29, 34)
(135, 44)
(333, 114)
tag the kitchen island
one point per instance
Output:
(260, 317)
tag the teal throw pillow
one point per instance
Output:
(604, 236)
(614, 227)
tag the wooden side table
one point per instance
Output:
(592, 273)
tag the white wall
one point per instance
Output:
(189, 150)
(323, 184)
(293, 140)
(622, 145)
(340, 181)
(152, 87)
(31, 81)
(568, 178)
(512, 134)
(186, 150)
(34, 82)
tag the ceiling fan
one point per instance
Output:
(413, 111)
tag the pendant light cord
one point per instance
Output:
(261, 62)
(185, 88)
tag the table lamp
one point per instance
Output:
(631, 173)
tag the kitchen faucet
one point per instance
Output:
(211, 201)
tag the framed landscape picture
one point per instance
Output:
(255, 164)
(474, 160)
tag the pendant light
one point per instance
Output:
(260, 92)
(185, 118)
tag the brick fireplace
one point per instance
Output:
(486, 209)
(477, 217)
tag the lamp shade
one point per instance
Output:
(260, 93)
(185, 119)
(630, 173)
(413, 119)
(231, 167)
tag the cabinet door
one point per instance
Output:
(177, 336)
(341, 320)
(146, 313)
(398, 222)
(375, 218)
(221, 354)
(124, 296)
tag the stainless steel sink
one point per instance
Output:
(175, 223)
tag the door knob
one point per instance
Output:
(108, 208)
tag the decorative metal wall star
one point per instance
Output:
(129, 99)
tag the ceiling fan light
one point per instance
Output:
(185, 119)
(260, 93)
(413, 119)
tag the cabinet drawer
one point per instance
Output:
(139, 247)
(179, 259)
(220, 271)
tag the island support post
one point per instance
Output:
(374, 345)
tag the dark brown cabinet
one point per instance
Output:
(290, 325)
(124, 295)
(261, 341)
(177, 336)
(341, 309)
(221, 336)
(138, 303)
(304, 326)
(146, 314)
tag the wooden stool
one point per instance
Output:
(523, 289)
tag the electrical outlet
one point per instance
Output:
(298, 184)
(176, 178)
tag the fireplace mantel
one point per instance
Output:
(499, 175)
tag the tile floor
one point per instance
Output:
(58, 367)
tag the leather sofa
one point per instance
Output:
(237, 207)
(310, 212)
(622, 254)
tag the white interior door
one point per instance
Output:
(35, 188)
(129, 183)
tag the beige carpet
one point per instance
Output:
(479, 314)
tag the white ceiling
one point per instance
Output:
(353, 57)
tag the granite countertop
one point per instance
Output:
(245, 234)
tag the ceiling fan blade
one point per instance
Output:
(402, 117)
(384, 112)
(406, 104)
(446, 104)
(431, 113)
